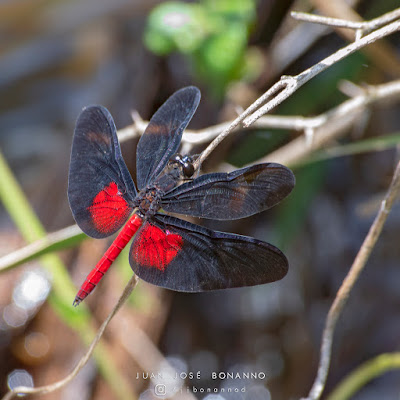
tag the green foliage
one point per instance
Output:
(176, 26)
(213, 33)
(63, 290)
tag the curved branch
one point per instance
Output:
(348, 283)
(58, 385)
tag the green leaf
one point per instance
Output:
(238, 9)
(175, 26)
(220, 58)
(223, 51)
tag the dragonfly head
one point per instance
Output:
(184, 163)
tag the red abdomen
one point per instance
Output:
(109, 257)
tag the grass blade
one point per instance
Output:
(63, 290)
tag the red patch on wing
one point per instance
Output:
(109, 209)
(156, 248)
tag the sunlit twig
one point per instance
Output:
(289, 84)
(364, 26)
(384, 55)
(332, 124)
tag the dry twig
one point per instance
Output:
(382, 54)
(324, 127)
(332, 124)
(362, 26)
(58, 385)
(289, 84)
(146, 354)
(348, 283)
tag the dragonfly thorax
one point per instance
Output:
(148, 201)
(178, 168)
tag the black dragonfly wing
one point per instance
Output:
(181, 256)
(100, 188)
(163, 134)
(233, 195)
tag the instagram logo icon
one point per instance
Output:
(160, 389)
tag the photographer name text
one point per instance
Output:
(197, 375)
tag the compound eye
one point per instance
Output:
(176, 159)
(187, 159)
(188, 169)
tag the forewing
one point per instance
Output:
(234, 195)
(163, 134)
(100, 188)
(181, 256)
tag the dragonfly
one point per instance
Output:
(167, 251)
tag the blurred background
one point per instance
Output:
(57, 57)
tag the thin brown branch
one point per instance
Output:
(290, 84)
(332, 124)
(236, 123)
(58, 385)
(382, 20)
(319, 19)
(364, 26)
(325, 127)
(382, 54)
(348, 283)
(293, 39)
